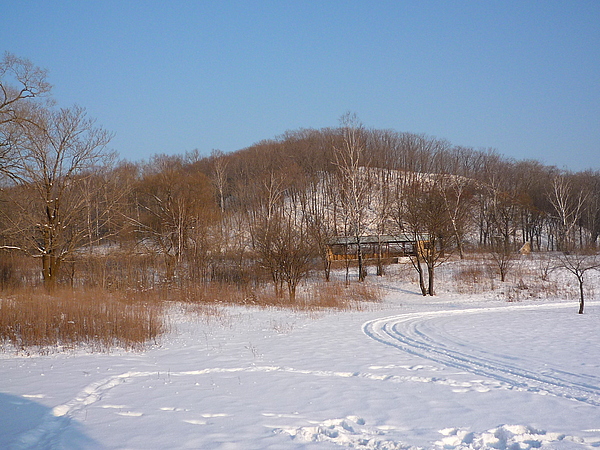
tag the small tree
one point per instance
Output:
(503, 255)
(280, 235)
(285, 248)
(579, 263)
(427, 219)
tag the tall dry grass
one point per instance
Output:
(311, 296)
(118, 300)
(33, 320)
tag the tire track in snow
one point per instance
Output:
(407, 332)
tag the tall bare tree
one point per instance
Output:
(352, 161)
(56, 155)
(219, 176)
(568, 203)
(457, 194)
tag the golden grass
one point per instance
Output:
(34, 320)
(311, 296)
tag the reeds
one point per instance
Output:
(36, 321)
(312, 296)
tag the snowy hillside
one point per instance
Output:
(456, 371)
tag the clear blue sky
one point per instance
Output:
(522, 77)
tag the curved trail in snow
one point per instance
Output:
(416, 333)
(47, 433)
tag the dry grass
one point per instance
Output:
(532, 278)
(35, 321)
(470, 278)
(312, 296)
(343, 296)
(473, 275)
(320, 296)
(104, 302)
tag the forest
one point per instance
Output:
(75, 216)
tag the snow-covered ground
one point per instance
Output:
(453, 371)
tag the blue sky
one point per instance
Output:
(522, 77)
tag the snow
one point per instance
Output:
(448, 372)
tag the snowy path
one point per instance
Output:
(422, 334)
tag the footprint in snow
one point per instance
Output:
(130, 414)
(196, 422)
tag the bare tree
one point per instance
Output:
(351, 161)
(579, 263)
(56, 155)
(176, 206)
(219, 176)
(503, 255)
(501, 213)
(264, 201)
(280, 233)
(458, 202)
(284, 246)
(427, 220)
(568, 206)
(588, 183)
(320, 207)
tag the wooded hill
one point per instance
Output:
(70, 212)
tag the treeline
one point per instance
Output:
(262, 214)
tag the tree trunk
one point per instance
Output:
(292, 291)
(361, 270)
(581, 301)
(419, 269)
(50, 266)
(379, 257)
(327, 269)
(430, 275)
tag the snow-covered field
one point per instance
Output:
(453, 371)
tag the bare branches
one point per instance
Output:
(54, 158)
(19, 80)
(579, 263)
(568, 206)
(20, 83)
(351, 161)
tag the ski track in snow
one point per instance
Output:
(407, 332)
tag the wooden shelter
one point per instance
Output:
(375, 247)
